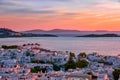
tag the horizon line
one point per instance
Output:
(62, 29)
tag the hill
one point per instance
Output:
(69, 33)
(4, 32)
(100, 35)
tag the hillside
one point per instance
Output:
(4, 32)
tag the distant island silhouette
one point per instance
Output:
(100, 35)
(5, 32)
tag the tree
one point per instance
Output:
(37, 61)
(82, 55)
(93, 77)
(101, 61)
(37, 69)
(70, 64)
(116, 73)
(9, 47)
(82, 63)
(34, 61)
(72, 55)
(55, 67)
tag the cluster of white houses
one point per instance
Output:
(16, 64)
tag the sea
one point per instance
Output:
(101, 45)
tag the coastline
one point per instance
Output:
(67, 62)
(73, 44)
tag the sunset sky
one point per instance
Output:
(24, 15)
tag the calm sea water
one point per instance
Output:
(104, 46)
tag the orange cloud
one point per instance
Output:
(83, 19)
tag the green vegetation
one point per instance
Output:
(72, 55)
(70, 64)
(34, 61)
(101, 61)
(55, 67)
(9, 47)
(116, 73)
(82, 55)
(29, 54)
(37, 61)
(82, 63)
(93, 77)
(37, 69)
